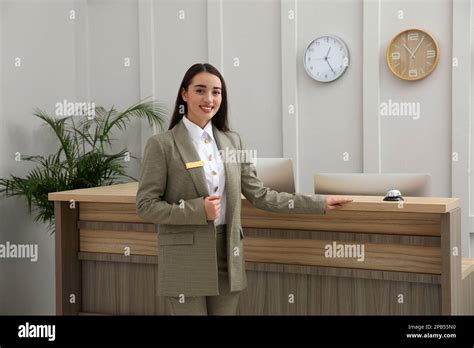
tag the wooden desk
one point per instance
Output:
(467, 286)
(106, 257)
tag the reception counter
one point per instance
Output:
(371, 257)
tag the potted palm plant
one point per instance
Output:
(82, 160)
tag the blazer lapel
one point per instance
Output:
(231, 188)
(188, 154)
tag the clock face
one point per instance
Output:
(326, 58)
(412, 55)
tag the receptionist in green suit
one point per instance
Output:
(191, 181)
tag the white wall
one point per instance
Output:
(29, 30)
(330, 115)
(336, 120)
(77, 60)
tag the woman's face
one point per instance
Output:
(204, 96)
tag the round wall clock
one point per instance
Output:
(326, 58)
(412, 54)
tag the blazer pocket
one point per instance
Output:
(176, 238)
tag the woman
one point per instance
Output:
(194, 196)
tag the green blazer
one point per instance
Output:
(171, 196)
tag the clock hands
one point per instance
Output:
(327, 61)
(418, 46)
(326, 57)
(412, 54)
(327, 54)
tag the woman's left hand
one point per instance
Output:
(333, 203)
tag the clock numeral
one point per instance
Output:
(309, 59)
(430, 54)
(326, 75)
(412, 73)
(395, 55)
(413, 37)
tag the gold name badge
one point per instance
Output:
(194, 164)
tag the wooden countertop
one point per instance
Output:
(467, 267)
(126, 193)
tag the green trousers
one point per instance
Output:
(226, 303)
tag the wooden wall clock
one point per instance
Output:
(412, 54)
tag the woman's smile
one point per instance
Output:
(203, 98)
(206, 109)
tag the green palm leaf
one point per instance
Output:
(71, 166)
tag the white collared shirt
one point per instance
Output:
(206, 147)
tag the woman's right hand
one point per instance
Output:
(336, 202)
(212, 205)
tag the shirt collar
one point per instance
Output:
(197, 133)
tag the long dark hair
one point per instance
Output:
(181, 107)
